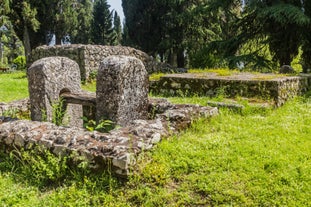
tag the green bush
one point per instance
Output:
(20, 62)
(205, 59)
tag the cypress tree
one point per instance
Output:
(117, 28)
(102, 27)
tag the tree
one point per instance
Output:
(167, 28)
(36, 21)
(117, 28)
(274, 22)
(23, 17)
(82, 32)
(102, 28)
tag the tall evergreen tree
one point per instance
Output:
(102, 27)
(82, 33)
(166, 28)
(117, 28)
(34, 20)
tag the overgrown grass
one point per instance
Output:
(254, 158)
(260, 158)
(13, 86)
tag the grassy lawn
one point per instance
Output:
(13, 86)
(253, 159)
(257, 158)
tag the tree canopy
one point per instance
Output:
(198, 33)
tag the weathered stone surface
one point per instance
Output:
(89, 57)
(14, 106)
(286, 69)
(119, 147)
(48, 78)
(121, 90)
(270, 87)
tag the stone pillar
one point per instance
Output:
(48, 78)
(122, 90)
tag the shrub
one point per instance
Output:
(20, 62)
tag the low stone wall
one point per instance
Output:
(19, 106)
(119, 147)
(89, 57)
(268, 87)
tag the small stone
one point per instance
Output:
(156, 138)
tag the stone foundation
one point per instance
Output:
(120, 147)
(269, 87)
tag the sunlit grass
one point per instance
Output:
(13, 86)
(255, 158)
(89, 86)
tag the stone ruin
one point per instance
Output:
(271, 88)
(121, 96)
(48, 78)
(89, 57)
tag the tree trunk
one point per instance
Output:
(172, 58)
(27, 45)
(58, 40)
(180, 58)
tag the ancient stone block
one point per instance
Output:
(89, 57)
(48, 78)
(122, 90)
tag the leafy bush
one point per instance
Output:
(205, 59)
(20, 62)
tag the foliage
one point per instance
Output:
(82, 33)
(58, 112)
(165, 28)
(278, 24)
(117, 28)
(102, 28)
(20, 62)
(101, 126)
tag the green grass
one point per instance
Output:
(13, 86)
(253, 159)
(89, 86)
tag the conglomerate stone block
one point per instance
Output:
(122, 90)
(48, 78)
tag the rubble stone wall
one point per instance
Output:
(278, 90)
(89, 57)
(120, 146)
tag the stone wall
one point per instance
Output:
(89, 57)
(264, 86)
(18, 106)
(120, 147)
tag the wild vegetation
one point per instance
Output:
(259, 157)
(254, 158)
(257, 35)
